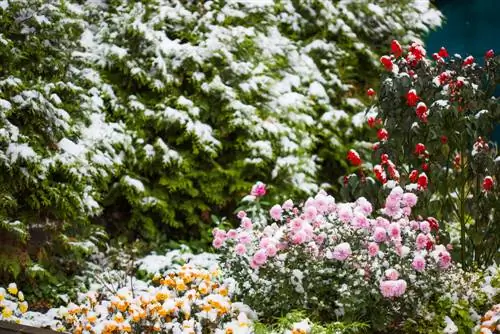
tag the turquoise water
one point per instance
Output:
(471, 28)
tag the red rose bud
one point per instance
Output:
(353, 158)
(433, 222)
(468, 61)
(488, 183)
(396, 48)
(422, 181)
(413, 176)
(380, 174)
(444, 139)
(370, 92)
(384, 158)
(435, 56)
(375, 146)
(425, 166)
(371, 121)
(419, 148)
(429, 245)
(443, 52)
(382, 134)
(412, 97)
(489, 54)
(422, 111)
(387, 62)
(393, 172)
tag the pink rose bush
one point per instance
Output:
(338, 258)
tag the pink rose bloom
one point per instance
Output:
(217, 243)
(444, 260)
(299, 237)
(418, 263)
(364, 206)
(406, 211)
(220, 234)
(244, 238)
(232, 234)
(394, 231)
(421, 241)
(391, 289)
(240, 249)
(260, 257)
(396, 194)
(360, 221)
(345, 213)
(308, 229)
(246, 223)
(425, 226)
(258, 189)
(296, 224)
(341, 251)
(391, 274)
(271, 250)
(311, 212)
(373, 249)
(382, 222)
(241, 214)
(321, 203)
(276, 212)
(414, 225)
(379, 235)
(264, 242)
(410, 199)
(392, 208)
(288, 205)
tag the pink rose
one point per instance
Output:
(425, 226)
(288, 205)
(217, 243)
(246, 223)
(341, 251)
(260, 257)
(258, 189)
(421, 241)
(241, 214)
(379, 235)
(240, 249)
(418, 263)
(444, 260)
(410, 199)
(311, 212)
(391, 274)
(373, 249)
(232, 234)
(276, 212)
(271, 250)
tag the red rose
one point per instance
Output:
(444, 139)
(443, 52)
(489, 54)
(422, 181)
(396, 48)
(387, 62)
(468, 61)
(370, 92)
(419, 148)
(412, 97)
(413, 176)
(488, 183)
(353, 158)
(382, 134)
